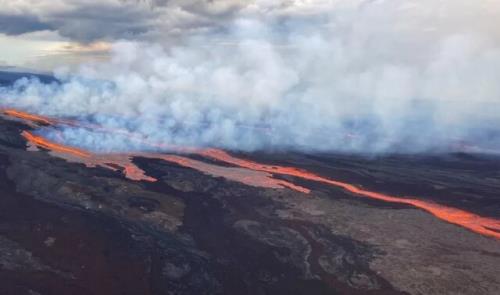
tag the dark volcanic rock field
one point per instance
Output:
(69, 229)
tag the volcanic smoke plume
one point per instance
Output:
(371, 77)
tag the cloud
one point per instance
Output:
(91, 20)
(12, 24)
(83, 21)
(96, 21)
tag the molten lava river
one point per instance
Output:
(240, 170)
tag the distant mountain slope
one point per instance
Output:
(9, 77)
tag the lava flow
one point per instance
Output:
(113, 162)
(44, 143)
(250, 173)
(243, 175)
(485, 226)
(124, 163)
(28, 117)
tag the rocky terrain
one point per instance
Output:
(66, 228)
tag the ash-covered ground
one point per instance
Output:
(69, 229)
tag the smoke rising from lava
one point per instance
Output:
(383, 76)
(243, 171)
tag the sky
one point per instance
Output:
(46, 34)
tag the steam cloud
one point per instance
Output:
(381, 76)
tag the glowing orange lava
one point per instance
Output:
(44, 143)
(131, 171)
(485, 226)
(124, 163)
(113, 162)
(28, 117)
(246, 176)
(263, 177)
